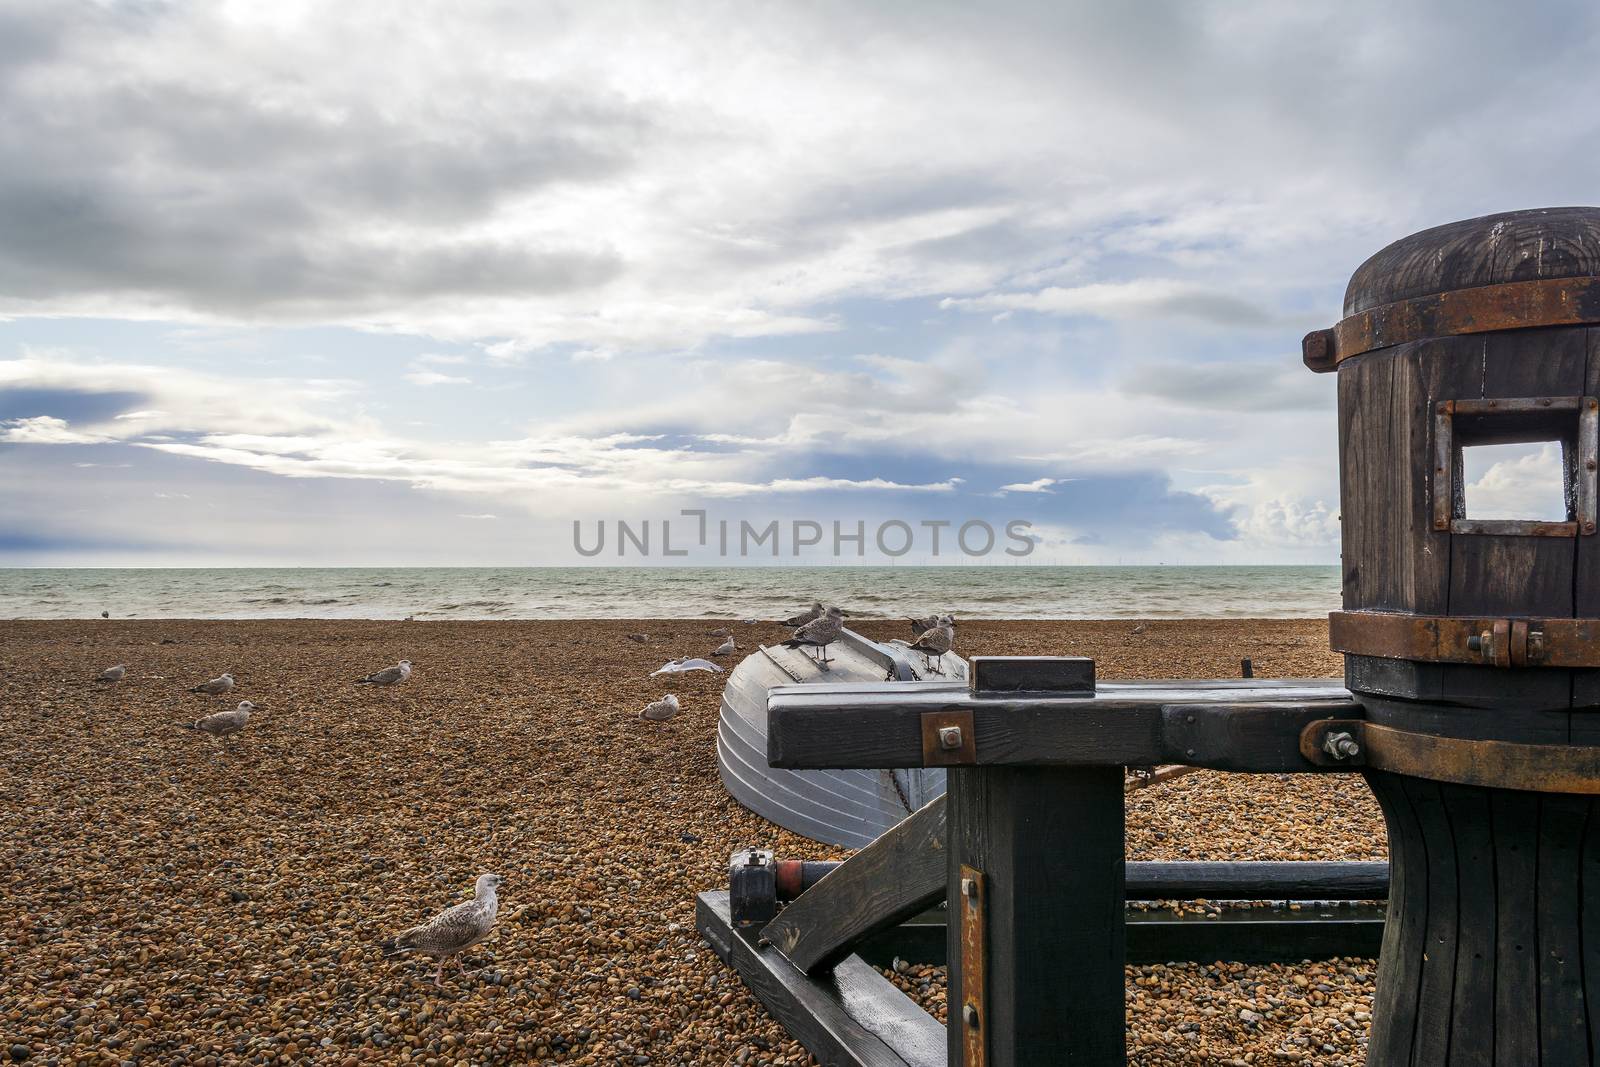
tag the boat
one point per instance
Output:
(848, 808)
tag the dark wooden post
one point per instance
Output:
(1473, 641)
(1036, 862)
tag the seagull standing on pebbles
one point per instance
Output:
(725, 648)
(389, 675)
(216, 687)
(450, 933)
(224, 723)
(804, 617)
(112, 674)
(661, 710)
(819, 633)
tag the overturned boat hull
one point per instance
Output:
(841, 807)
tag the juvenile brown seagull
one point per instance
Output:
(936, 641)
(819, 633)
(112, 674)
(805, 616)
(216, 686)
(389, 675)
(224, 723)
(454, 930)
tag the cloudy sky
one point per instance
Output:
(423, 284)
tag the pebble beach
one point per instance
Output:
(173, 899)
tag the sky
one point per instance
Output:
(433, 284)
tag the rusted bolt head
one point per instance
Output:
(949, 737)
(1341, 745)
(969, 1015)
(1590, 464)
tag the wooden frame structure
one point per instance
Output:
(1026, 852)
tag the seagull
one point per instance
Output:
(112, 674)
(223, 723)
(678, 666)
(936, 641)
(719, 632)
(216, 687)
(454, 930)
(661, 710)
(389, 675)
(1138, 629)
(105, 614)
(804, 617)
(923, 625)
(640, 638)
(725, 648)
(819, 633)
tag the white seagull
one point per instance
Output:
(112, 674)
(454, 930)
(661, 710)
(389, 675)
(725, 648)
(678, 666)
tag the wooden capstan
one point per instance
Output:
(1471, 703)
(1473, 642)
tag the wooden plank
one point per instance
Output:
(1563, 1014)
(1589, 876)
(851, 726)
(853, 1017)
(1436, 985)
(900, 874)
(1394, 1005)
(1472, 1023)
(1049, 842)
(1515, 825)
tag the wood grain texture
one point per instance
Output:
(846, 727)
(1404, 935)
(1435, 1005)
(1472, 1030)
(899, 875)
(1049, 842)
(1510, 246)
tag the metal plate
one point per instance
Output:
(971, 1011)
(1463, 761)
(937, 749)
(1480, 309)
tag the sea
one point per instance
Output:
(1010, 592)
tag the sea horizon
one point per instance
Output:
(1027, 591)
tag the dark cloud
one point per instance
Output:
(1258, 387)
(72, 405)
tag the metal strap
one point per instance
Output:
(1481, 309)
(1490, 642)
(1463, 761)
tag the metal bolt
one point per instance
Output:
(969, 888)
(969, 1015)
(1341, 745)
(1188, 718)
(949, 737)
(1189, 752)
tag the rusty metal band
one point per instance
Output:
(1481, 309)
(972, 1016)
(1454, 639)
(1462, 761)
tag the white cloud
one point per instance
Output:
(429, 377)
(1038, 485)
(44, 430)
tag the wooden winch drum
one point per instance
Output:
(1474, 642)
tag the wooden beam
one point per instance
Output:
(853, 1017)
(1048, 843)
(886, 883)
(851, 725)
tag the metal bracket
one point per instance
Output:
(949, 739)
(972, 1015)
(1459, 639)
